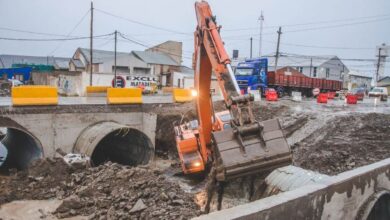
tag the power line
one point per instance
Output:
(73, 29)
(33, 32)
(309, 23)
(339, 25)
(52, 39)
(142, 23)
(324, 47)
(327, 58)
(147, 46)
(314, 28)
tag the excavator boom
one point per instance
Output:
(246, 146)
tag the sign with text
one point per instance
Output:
(147, 81)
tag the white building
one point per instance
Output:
(153, 63)
(354, 79)
(324, 67)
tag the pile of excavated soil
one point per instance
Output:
(45, 179)
(110, 191)
(346, 142)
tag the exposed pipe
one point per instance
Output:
(110, 141)
(22, 149)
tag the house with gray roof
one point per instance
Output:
(103, 61)
(157, 61)
(133, 63)
(324, 67)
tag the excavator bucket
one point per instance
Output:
(256, 150)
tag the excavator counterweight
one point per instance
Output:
(233, 141)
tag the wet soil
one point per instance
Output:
(346, 142)
(323, 139)
(110, 191)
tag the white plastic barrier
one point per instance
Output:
(297, 96)
(256, 94)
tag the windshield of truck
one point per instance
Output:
(377, 90)
(244, 72)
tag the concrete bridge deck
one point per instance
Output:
(96, 100)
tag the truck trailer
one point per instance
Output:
(254, 75)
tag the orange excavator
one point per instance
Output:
(234, 142)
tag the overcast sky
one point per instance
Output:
(346, 28)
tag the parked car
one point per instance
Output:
(380, 92)
(359, 92)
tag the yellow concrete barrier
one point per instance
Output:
(120, 96)
(182, 95)
(34, 95)
(97, 89)
(167, 90)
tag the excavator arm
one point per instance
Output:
(246, 147)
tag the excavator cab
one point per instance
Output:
(187, 146)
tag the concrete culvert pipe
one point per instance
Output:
(21, 149)
(377, 207)
(110, 141)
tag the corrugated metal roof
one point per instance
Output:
(186, 70)
(7, 60)
(78, 63)
(385, 81)
(358, 74)
(61, 64)
(284, 61)
(155, 58)
(100, 56)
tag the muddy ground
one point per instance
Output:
(110, 191)
(344, 143)
(328, 139)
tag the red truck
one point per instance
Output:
(285, 84)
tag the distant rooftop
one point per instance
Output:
(155, 58)
(99, 56)
(359, 74)
(284, 61)
(6, 61)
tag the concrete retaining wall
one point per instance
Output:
(345, 196)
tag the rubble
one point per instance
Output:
(109, 191)
(344, 143)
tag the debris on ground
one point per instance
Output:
(344, 143)
(110, 191)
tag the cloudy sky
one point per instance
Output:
(347, 28)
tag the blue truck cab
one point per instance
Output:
(252, 74)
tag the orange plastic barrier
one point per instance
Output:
(271, 96)
(322, 98)
(352, 99)
(331, 95)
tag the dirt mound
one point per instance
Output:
(44, 179)
(110, 191)
(344, 143)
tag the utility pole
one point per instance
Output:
(91, 46)
(311, 65)
(115, 59)
(378, 65)
(261, 19)
(251, 47)
(277, 48)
